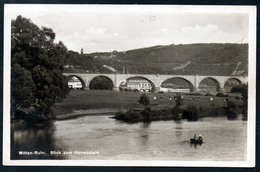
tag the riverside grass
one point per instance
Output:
(113, 101)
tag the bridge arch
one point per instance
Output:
(178, 84)
(73, 83)
(230, 83)
(139, 82)
(209, 84)
(101, 82)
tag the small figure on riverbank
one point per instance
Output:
(154, 98)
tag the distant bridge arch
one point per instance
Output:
(186, 83)
(138, 77)
(209, 84)
(142, 77)
(101, 82)
(236, 79)
(230, 83)
(69, 77)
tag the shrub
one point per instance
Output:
(231, 110)
(199, 94)
(231, 105)
(102, 83)
(237, 97)
(221, 95)
(129, 116)
(162, 114)
(177, 110)
(191, 113)
(146, 114)
(212, 111)
(208, 94)
(239, 88)
(178, 101)
(144, 100)
(119, 115)
(231, 114)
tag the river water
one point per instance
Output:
(104, 138)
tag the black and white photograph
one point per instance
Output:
(129, 85)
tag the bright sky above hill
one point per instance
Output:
(98, 28)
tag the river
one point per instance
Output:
(103, 138)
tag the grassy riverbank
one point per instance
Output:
(83, 102)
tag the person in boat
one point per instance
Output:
(200, 138)
(195, 137)
(196, 140)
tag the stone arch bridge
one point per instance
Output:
(156, 79)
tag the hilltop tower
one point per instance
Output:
(81, 51)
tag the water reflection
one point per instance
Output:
(178, 133)
(192, 145)
(146, 124)
(144, 133)
(178, 129)
(231, 115)
(30, 143)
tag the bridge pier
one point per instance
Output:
(195, 90)
(156, 89)
(116, 89)
(222, 90)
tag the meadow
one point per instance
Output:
(80, 100)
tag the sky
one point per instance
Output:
(97, 28)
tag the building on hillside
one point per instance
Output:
(139, 84)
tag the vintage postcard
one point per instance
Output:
(129, 85)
